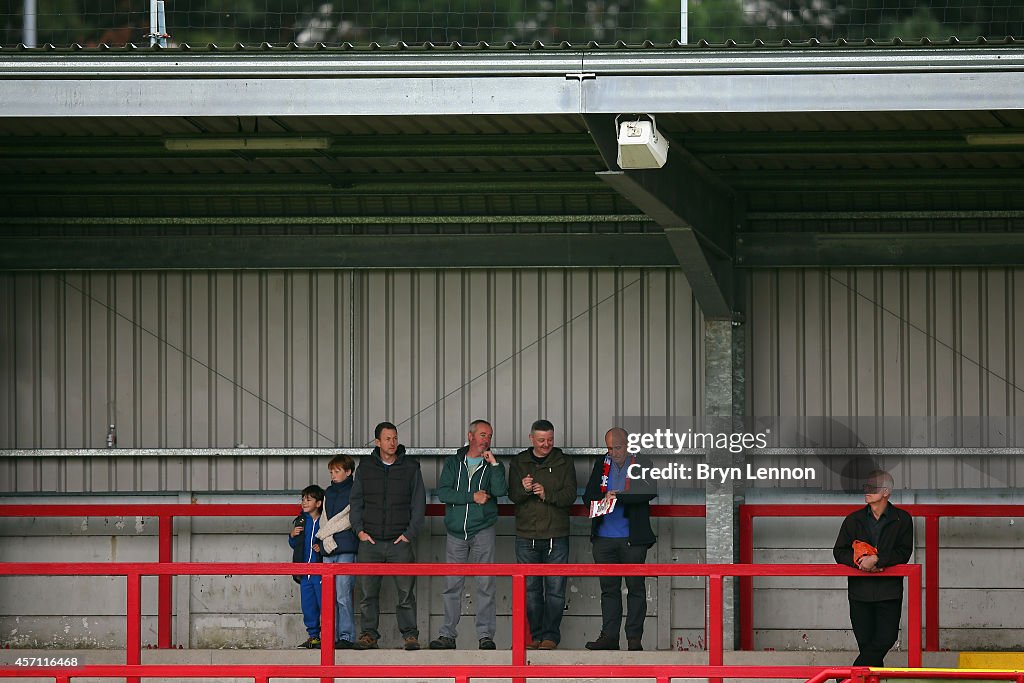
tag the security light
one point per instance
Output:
(640, 144)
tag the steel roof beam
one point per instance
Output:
(753, 144)
(637, 250)
(697, 213)
(266, 184)
(824, 250)
(340, 146)
(875, 180)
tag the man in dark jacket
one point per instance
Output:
(388, 505)
(542, 484)
(886, 538)
(470, 484)
(622, 536)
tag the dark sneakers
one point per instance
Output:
(487, 644)
(634, 644)
(343, 644)
(311, 643)
(603, 642)
(442, 643)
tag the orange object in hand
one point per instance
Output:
(862, 549)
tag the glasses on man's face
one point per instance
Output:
(871, 488)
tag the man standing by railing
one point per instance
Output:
(471, 482)
(542, 484)
(877, 536)
(388, 504)
(622, 536)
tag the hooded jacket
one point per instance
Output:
(388, 501)
(536, 518)
(636, 501)
(462, 517)
(895, 545)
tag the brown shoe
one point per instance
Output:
(548, 645)
(634, 644)
(533, 645)
(412, 643)
(366, 642)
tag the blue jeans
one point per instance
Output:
(545, 595)
(344, 621)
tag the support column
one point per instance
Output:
(723, 406)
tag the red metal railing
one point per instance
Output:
(166, 512)
(464, 673)
(133, 573)
(931, 515)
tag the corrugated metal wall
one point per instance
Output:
(896, 358)
(886, 342)
(285, 358)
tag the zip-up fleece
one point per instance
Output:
(388, 501)
(462, 517)
(536, 518)
(302, 546)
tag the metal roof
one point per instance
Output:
(891, 154)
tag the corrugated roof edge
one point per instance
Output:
(812, 43)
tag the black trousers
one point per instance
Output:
(876, 625)
(618, 551)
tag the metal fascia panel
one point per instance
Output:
(512, 83)
(290, 97)
(805, 92)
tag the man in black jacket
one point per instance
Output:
(388, 503)
(886, 535)
(621, 537)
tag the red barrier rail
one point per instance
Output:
(465, 673)
(166, 512)
(931, 515)
(459, 673)
(518, 572)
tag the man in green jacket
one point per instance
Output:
(471, 482)
(542, 484)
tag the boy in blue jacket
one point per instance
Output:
(306, 548)
(336, 511)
